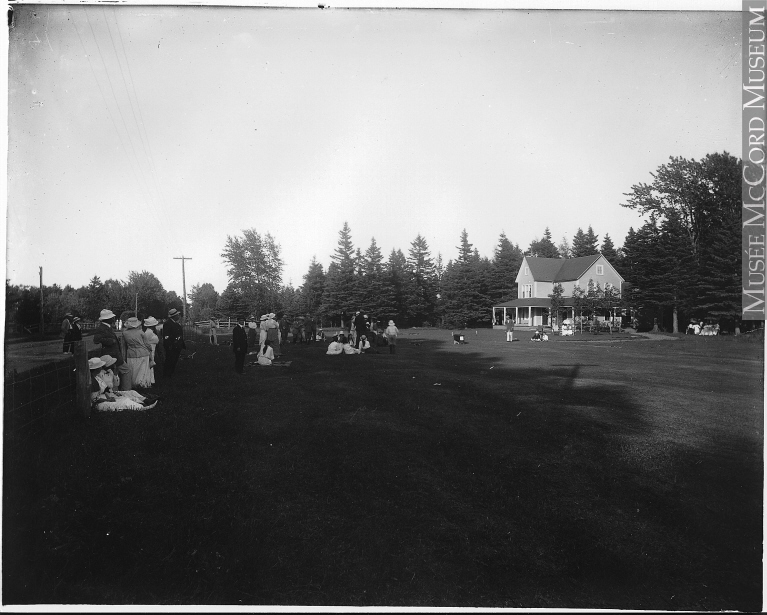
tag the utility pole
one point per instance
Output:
(183, 258)
(42, 319)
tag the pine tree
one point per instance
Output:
(341, 284)
(313, 288)
(592, 242)
(608, 250)
(393, 305)
(544, 248)
(579, 244)
(464, 304)
(422, 283)
(505, 266)
(373, 282)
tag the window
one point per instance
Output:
(527, 291)
(527, 270)
(600, 269)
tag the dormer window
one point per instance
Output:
(600, 269)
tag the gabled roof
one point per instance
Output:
(560, 269)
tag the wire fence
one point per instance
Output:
(34, 398)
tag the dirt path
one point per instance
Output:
(25, 355)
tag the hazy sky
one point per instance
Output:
(138, 134)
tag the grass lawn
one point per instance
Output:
(586, 472)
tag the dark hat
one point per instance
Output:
(172, 313)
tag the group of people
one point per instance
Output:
(363, 337)
(129, 361)
(71, 332)
(266, 334)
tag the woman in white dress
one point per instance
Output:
(150, 333)
(103, 397)
(138, 353)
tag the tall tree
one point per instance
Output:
(147, 290)
(422, 287)
(699, 194)
(557, 302)
(544, 247)
(313, 288)
(341, 281)
(565, 250)
(608, 250)
(505, 266)
(95, 298)
(203, 299)
(463, 302)
(254, 265)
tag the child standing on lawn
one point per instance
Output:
(391, 335)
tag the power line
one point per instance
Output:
(111, 87)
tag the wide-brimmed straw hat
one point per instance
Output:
(95, 363)
(172, 313)
(132, 323)
(150, 322)
(75, 319)
(391, 323)
(264, 317)
(108, 360)
(106, 315)
(252, 325)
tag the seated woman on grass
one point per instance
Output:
(103, 397)
(349, 349)
(337, 345)
(266, 356)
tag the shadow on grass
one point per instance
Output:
(418, 479)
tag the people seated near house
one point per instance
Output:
(104, 398)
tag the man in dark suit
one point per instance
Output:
(239, 345)
(111, 345)
(360, 326)
(173, 341)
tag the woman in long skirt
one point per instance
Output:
(138, 353)
(150, 333)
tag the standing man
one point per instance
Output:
(509, 329)
(173, 341)
(110, 344)
(239, 345)
(213, 327)
(360, 327)
(66, 325)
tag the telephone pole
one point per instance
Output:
(42, 318)
(183, 258)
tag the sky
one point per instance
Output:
(140, 134)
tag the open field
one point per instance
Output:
(587, 472)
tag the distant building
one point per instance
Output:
(535, 282)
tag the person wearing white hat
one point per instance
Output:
(137, 353)
(173, 342)
(391, 334)
(150, 332)
(273, 334)
(112, 382)
(111, 345)
(102, 396)
(66, 325)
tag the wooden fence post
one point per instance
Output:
(83, 384)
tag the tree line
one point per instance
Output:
(683, 262)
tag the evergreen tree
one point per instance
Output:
(592, 242)
(95, 298)
(608, 250)
(565, 250)
(341, 284)
(579, 244)
(313, 288)
(464, 304)
(422, 287)
(374, 283)
(507, 259)
(544, 248)
(393, 300)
